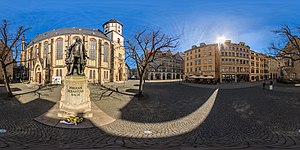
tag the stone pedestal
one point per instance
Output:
(75, 98)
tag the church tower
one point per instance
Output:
(113, 30)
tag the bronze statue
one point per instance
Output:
(76, 58)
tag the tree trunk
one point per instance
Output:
(140, 93)
(6, 82)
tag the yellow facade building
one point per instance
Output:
(202, 61)
(234, 62)
(229, 62)
(44, 56)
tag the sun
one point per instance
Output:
(221, 39)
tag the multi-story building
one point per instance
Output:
(166, 66)
(44, 56)
(234, 62)
(274, 68)
(256, 66)
(202, 60)
(229, 62)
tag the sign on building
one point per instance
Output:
(56, 80)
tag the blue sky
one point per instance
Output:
(195, 20)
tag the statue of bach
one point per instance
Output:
(76, 58)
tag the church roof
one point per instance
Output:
(63, 31)
(112, 21)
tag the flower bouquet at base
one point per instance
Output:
(72, 120)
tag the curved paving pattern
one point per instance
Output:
(163, 129)
(240, 118)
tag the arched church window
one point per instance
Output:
(92, 54)
(46, 49)
(59, 49)
(106, 52)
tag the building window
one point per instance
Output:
(105, 75)
(60, 72)
(209, 68)
(94, 74)
(59, 49)
(209, 61)
(46, 49)
(57, 73)
(209, 54)
(92, 49)
(91, 74)
(106, 49)
(31, 53)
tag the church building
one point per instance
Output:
(44, 56)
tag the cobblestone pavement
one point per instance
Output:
(248, 117)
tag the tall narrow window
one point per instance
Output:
(94, 74)
(46, 49)
(31, 53)
(59, 49)
(90, 74)
(92, 49)
(106, 48)
(60, 72)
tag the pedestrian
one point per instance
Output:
(264, 84)
(271, 86)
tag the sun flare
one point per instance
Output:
(221, 39)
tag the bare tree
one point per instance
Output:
(288, 45)
(143, 48)
(9, 50)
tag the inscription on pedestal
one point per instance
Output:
(75, 97)
(75, 90)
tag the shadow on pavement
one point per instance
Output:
(164, 102)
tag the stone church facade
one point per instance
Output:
(44, 56)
